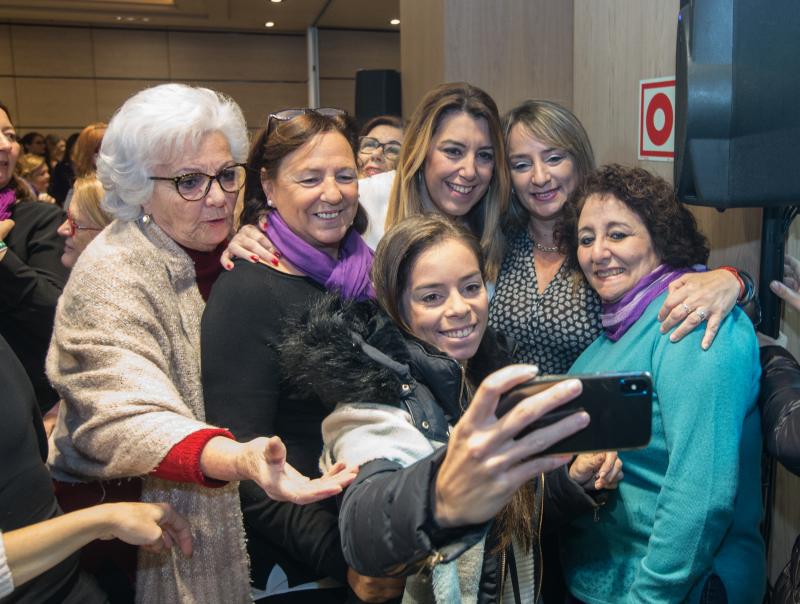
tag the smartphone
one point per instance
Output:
(620, 406)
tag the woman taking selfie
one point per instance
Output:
(684, 525)
(400, 377)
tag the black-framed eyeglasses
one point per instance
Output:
(290, 114)
(196, 185)
(368, 145)
(74, 227)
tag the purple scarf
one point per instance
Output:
(618, 317)
(349, 275)
(7, 200)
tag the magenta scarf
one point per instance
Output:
(349, 275)
(618, 317)
(7, 200)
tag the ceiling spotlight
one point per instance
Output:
(276, 1)
(269, 24)
(394, 22)
(118, 18)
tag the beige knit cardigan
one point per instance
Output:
(125, 357)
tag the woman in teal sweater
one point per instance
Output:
(683, 525)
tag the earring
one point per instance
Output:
(146, 218)
(270, 203)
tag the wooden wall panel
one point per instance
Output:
(373, 50)
(48, 51)
(122, 53)
(112, 93)
(8, 96)
(618, 43)
(515, 50)
(237, 57)
(59, 103)
(262, 73)
(338, 93)
(421, 49)
(259, 99)
(6, 62)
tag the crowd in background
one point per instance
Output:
(205, 338)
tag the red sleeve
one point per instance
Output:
(182, 463)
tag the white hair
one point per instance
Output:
(155, 127)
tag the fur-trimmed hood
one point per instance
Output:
(352, 352)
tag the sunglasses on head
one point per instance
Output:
(289, 114)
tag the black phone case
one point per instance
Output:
(620, 406)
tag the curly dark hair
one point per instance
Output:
(672, 227)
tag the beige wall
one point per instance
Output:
(58, 79)
(514, 49)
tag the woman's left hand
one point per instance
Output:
(697, 297)
(595, 471)
(263, 460)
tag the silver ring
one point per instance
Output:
(702, 314)
(686, 308)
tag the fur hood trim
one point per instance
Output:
(351, 352)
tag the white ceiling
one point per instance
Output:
(289, 16)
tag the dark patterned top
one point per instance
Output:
(552, 328)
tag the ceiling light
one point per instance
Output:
(394, 22)
(276, 1)
(269, 24)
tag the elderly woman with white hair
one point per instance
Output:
(125, 351)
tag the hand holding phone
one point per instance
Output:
(619, 405)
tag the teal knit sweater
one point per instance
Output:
(690, 502)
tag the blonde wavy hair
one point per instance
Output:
(405, 199)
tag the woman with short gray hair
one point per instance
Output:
(125, 351)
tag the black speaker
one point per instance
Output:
(377, 93)
(737, 97)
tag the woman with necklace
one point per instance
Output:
(540, 302)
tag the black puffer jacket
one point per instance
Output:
(353, 353)
(780, 406)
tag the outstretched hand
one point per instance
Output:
(485, 464)
(264, 461)
(697, 297)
